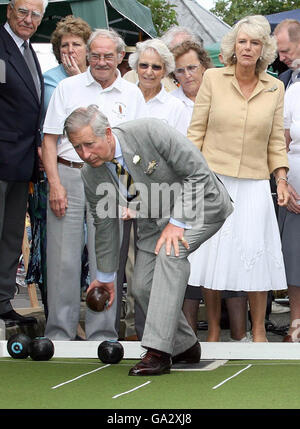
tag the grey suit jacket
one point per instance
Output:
(197, 196)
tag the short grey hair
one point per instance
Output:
(109, 34)
(185, 33)
(155, 45)
(45, 4)
(258, 27)
(85, 116)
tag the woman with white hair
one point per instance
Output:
(237, 123)
(153, 61)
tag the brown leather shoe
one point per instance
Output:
(191, 355)
(154, 362)
(289, 339)
(131, 338)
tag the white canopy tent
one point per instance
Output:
(209, 27)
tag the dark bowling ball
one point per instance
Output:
(41, 348)
(110, 352)
(18, 346)
(96, 299)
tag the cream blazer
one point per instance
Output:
(239, 137)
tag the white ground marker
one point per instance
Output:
(80, 376)
(131, 390)
(234, 375)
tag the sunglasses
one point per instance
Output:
(155, 67)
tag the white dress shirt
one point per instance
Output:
(18, 41)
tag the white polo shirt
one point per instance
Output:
(120, 102)
(168, 108)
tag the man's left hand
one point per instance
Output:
(170, 236)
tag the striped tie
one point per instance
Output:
(126, 179)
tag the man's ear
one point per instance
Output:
(8, 10)
(108, 134)
(121, 55)
(110, 138)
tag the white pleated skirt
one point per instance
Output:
(245, 254)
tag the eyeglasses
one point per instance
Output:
(190, 69)
(94, 58)
(23, 13)
(155, 67)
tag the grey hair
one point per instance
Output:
(258, 27)
(169, 36)
(85, 116)
(45, 4)
(158, 46)
(109, 34)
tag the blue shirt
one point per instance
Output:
(52, 78)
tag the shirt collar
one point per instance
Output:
(184, 98)
(117, 84)
(161, 96)
(230, 70)
(18, 41)
(118, 150)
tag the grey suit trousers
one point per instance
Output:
(13, 205)
(134, 316)
(65, 242)
(159, 286)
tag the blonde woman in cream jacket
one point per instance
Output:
(237, 123)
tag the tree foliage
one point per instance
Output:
(163, 14)
(232, 11)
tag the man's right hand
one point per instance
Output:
(108, 287)
(58, 200)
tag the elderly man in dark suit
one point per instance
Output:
(179, 203)
(21, 98)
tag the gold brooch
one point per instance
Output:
(151, 167)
